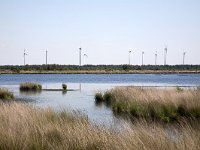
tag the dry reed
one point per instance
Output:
(26, 127)
(166, 104)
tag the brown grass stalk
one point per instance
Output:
(26, 127)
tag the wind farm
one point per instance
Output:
(99, 75)
(84, 67)
(130, 61)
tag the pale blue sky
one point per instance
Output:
(105, 29)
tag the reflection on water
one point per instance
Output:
(80, 86)
(64, 92)
(28, 93)
(99, 103)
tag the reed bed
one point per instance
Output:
(28, 86)
(5, 94)
(165, 104)
(27, 127)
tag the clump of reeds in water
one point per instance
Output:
(166, 105)
(5, 94)
(27, 127)
(64, 87)
(30, 87)
(103, 98)
(99, 97)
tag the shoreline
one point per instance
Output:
(100, 72)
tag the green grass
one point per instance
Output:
(165, 105)
(5, 94)
(28, 86)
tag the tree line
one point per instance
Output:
(56, 67)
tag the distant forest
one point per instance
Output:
(55, 67)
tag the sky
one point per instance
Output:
(106, 30)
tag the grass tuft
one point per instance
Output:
(5, 94)
(179, 89)
(98, 98)
(64, 86)
(28, 86)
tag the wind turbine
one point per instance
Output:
(165, 56)
(129, 57)
(46, 57)
(85, 56)
(156, 58)
(142, 58)
(184, 53)
(25, 57)
(80, 56)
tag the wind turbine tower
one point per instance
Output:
(165, 56)
(142, 58)
(184, 53)
(156, 55)
(25, 57)
(80, 56)
(129, 57)
(46, 56)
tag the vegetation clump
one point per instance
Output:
(103, 98)
(99, 97)
(179, 89)
(5, 94)
(28, 86)
(64, 86)
(166, 105)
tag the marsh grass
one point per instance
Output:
(28, 86)
(99, 98)
(27, 127)
(179, 89)
(5, 94)
(167, 105)
(64, 86)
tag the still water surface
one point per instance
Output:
(86, 85)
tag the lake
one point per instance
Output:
(86, 85)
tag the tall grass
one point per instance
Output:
(30, 87)
(26, 127)
(167, 104)
(5, 94)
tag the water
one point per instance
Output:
(136, 79)
(86, 86)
